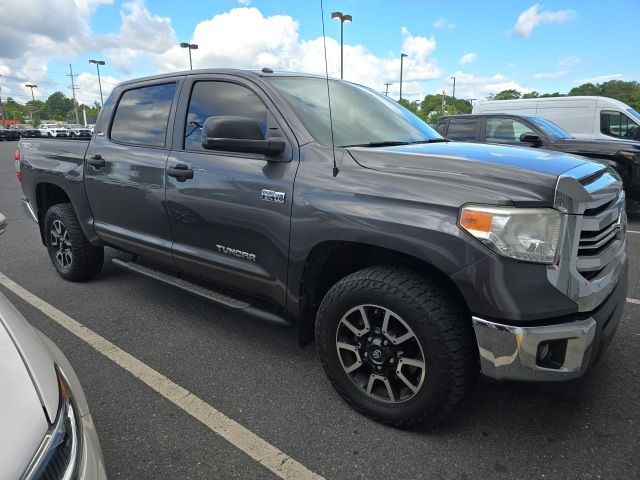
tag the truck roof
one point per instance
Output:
(223, 71)
(569, 98)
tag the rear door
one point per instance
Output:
(231, 221)
(463, 129)
(125, 169)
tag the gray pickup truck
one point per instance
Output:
(415, 263)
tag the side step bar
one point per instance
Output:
(203, 292)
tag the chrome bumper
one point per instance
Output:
(26, 206)
(517, 353)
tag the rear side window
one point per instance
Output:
(616, 124)
(505, 130)
(462, 129)
(212, 99)
(142, 115)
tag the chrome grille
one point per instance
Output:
(600, 238)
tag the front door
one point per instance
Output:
(231, 221)
(125, 168)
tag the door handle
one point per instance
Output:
(96, 161)
(180, 171)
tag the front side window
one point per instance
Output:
(617, 124)
(462, 129)
(212, 99)
(142, 115)
(505, 130)
(360, 115)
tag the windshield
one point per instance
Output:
(550, 129)
(361, 116)
(634, 114)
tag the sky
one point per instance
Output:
(488, 46)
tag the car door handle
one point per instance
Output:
(96, 161)
(181, 172)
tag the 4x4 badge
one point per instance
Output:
(272, 196)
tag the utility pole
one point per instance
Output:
(73, 89)
(454, 88)
(1, 111)
(402, 55)
(386, 90)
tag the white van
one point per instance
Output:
(584, 117)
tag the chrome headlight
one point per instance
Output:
(526, 234)
(59, 453)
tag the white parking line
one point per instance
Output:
(633, 300)
(632, 231)
(240, 437)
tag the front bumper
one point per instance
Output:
(91, 465)
(554, 351)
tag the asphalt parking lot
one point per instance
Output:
(255, 374)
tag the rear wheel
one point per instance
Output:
(396, 346)
(74, 258)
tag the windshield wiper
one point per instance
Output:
(431, 140)
(376, 144)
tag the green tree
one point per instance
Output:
(59, 106)
(411, 106)
(431, 107)
(533, 94)
(511, 94)
(627, 92)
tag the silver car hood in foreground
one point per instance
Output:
(23, 422)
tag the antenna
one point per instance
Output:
(326, 70)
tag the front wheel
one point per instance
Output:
(396, 346)
(74, 258)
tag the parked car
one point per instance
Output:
(52, 130)
(46, 429)
(90, 126)
(584, 117)
(536, 132)
(414, 262)
(75, 130)
(8, 134)
(26, 131)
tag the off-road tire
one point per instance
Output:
(87, 260)
(441, 325)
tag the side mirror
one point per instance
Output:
(239, 134)
(530, 138)
(3, 224)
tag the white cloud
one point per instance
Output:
(471, 86)
(245, 38)
(443, 24)
(147, 43)
(556, 74)
(468, 57)
(89, 89)
(532, 17)
(604, 78)
(569, 61)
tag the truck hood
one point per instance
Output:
(522, 175)
(23, 423)
(594, 146)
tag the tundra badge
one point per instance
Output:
(271, 196)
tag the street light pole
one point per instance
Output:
(454, 87)
(189, 46)
(31, 86)
(343, 18)
(98, 63)
(402, 55)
